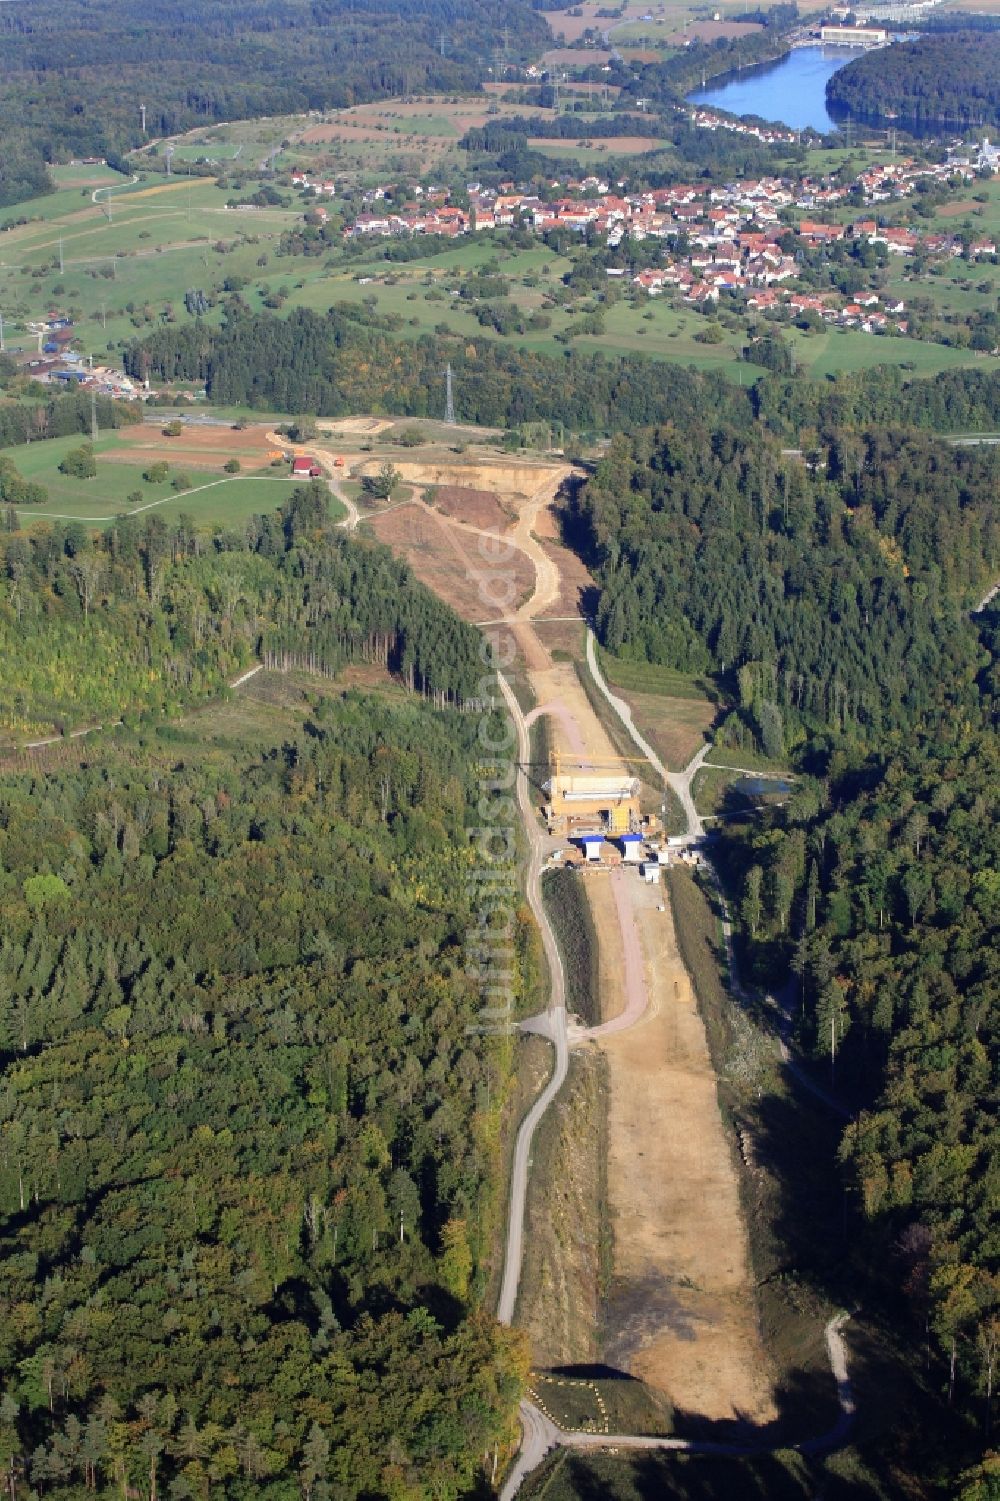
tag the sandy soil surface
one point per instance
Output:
(447, 559)
(495, 475)
(557, 682)
(610, 964)
(476, 507)
(574, 579)
(624, 994)
(355, 427)
(681, 1312)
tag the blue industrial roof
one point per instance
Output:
(630, 838)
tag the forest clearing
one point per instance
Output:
(678, 1312)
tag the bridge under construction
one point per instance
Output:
(583, 796)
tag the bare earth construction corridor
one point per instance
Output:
(681, 1314)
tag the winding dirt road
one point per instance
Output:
(552, 1023)
(539, 1434)
(678, 781)
(327, 461)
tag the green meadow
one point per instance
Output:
(211, 498)
(125, 275)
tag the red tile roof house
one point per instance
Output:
(763, 299)
(899, 241)
(820, 234)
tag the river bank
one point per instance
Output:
(790, 89)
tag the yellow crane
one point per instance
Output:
(581, 761)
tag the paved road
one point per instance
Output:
(552, 1023)
(540, 1434)
(114, 187)
(681, 783)
(634, 971)
(678, 781)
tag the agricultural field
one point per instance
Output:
(414, 136)
(836, 350)
(590, 152)
(122, 276)
(119, 256)
(196, 483)
(425, 296)
(663, 25)
(84, 175)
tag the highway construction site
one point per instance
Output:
(626, 1248)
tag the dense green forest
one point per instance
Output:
(145, 617)
(73, 73)
(954, 401)
(39, 414)
(347, 360)
(879, 888)
(833, 596)
(341, 362)
(248, 1143)
(951, 78)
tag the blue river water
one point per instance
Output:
(792, 90)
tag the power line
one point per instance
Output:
(449, 402)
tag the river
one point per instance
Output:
(792, 90)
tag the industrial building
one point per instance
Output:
(853, 36)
